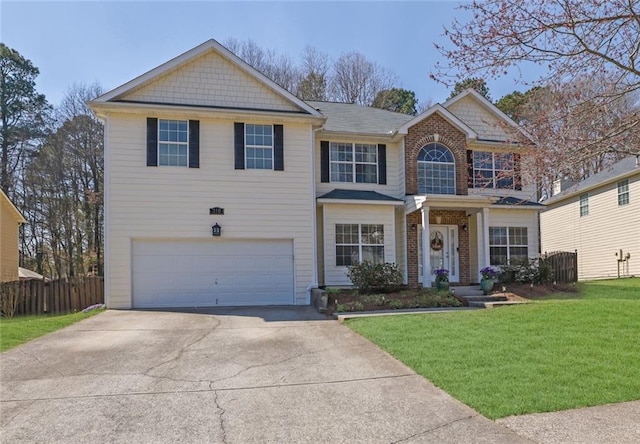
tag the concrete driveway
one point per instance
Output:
(230, 376)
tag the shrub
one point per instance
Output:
(368, 277)
(526, 271)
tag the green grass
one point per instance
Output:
(546, 356)
(19, 330)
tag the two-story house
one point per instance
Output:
(222, 188)
(599, 218)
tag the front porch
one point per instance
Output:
(449, 232)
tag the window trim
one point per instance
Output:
(494, 171)
(262, 147)
(623, 193)
(353, 162)
(508, 245)
(584, 204)
(166, 142)
(428, 162)
(360, 244)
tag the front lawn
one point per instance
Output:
(19, 330)
(546, 356)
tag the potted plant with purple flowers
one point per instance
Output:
(442, 278)
(489, 276)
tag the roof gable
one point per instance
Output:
(448, 116)
(6, 203)
(212, 76)
(484, 117)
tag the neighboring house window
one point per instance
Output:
(358, 243)
(508, 245)
(353, 162)
(584, 204)
(623, 192)
(493, 170)
(436, 170)
(259, 146)
(173, 142)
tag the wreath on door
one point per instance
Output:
(436, 241)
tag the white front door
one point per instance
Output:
(443, 249)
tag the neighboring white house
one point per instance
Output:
(222, 188)
(600, 219)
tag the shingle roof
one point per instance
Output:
(610, 174)
(516, 201)
(352, 118)
(358, 195)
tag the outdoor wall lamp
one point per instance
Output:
(464, 227)
(216, 230)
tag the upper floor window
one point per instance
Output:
(584, 204)
(353, 162)
(493, 170)
(623, 192)
(436, 170)
(259, 146)
(173, 142)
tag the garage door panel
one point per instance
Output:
(212, 273)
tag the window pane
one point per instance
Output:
(584, 205)
(498, 255)
(346, 255)
(366, 153)
(346, 234)
(373, 254)
(498, 236)
(173, 136)
(518, 254)
(366, 173)
(518, 236)
(372, 234)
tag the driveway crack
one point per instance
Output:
(43, 363)
(220, 415)
(424, 432)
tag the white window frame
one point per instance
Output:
(360, 245)
(495, 172)
(263, 147)
(176, 144)
(508, 244)
(442, 165)
(353, 163)
(623, 193)
(584, 204)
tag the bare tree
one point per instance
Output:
(358, 80)
(574, 40)
(314, 75)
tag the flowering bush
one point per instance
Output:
(489, 273)
(369, 277)
(442, 275)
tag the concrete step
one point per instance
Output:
(485, 304)
(463, 291)
(485, 298)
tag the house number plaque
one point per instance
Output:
(216, 210)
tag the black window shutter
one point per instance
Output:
(238, 145)
(470, 168)
(324, 161)
(382, 164)
(278, 148)
(194, 144)
(517, 176)
(152, 141)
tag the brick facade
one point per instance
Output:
(447, 217)
(436, 129)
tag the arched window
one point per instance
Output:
(436, 170)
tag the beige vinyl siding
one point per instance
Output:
(479, 118)
(598, 236)
(211, 80)
(354, 214)
(173, 202)
(518, 217)
(395, 181)
(9, 229)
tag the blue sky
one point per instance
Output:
(111, 42)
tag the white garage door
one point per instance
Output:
(212, 272)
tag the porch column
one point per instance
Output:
(426, 260)
(483, 228)
(481, 243)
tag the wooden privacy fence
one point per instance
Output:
(563, 265)
(60, 296)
